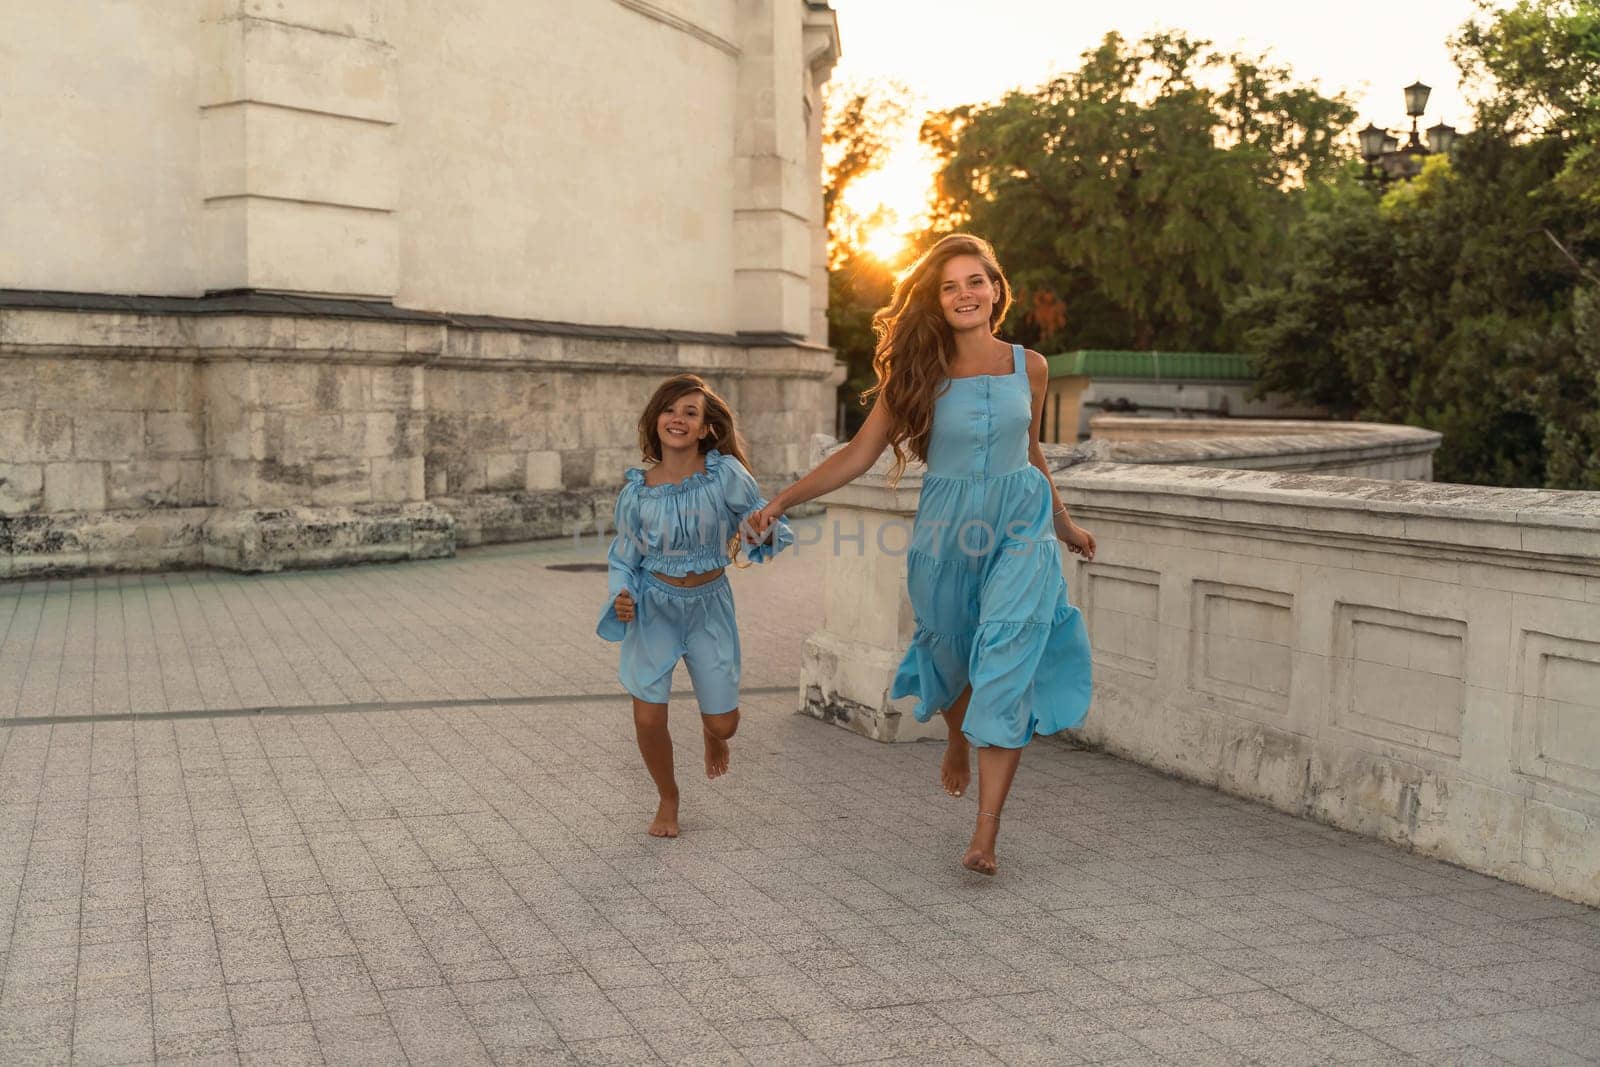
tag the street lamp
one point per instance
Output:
(1387, 160)
(1416, 104)
(1372, 139)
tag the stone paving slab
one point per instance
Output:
(471, 884)
(507, 622)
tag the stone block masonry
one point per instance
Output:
(257, 433)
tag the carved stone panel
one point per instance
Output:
(1242, 644)
(1122, 605)
(1399, 676)
(1558, 720)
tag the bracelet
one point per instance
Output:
(1058, 511)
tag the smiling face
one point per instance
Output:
(683, 423)
(966, 293)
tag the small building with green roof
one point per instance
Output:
(1163, 384)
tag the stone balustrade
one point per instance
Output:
(1413, 661)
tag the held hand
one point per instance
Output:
(624, 606)
(751, 529)
(762, 521)
(1077, 538)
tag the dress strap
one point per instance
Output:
(1019, 363)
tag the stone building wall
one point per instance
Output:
(286, 282)
(137, 442)
(278, 434)
(643, 163)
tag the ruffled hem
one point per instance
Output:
(778, 538)
(610, 628)
(934, 670)
(635, 478)
(680, 564)
(1027, 677)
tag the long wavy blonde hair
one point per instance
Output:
(916, 344)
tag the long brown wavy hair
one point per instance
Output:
(719, 418)
(724, 435)
(916, 344)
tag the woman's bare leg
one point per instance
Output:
(955, 773)
(996, 768)
(655, 745)
(718, 728)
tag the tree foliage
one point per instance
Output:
(859, 119)
(1465, 300)
(1138, 193)
(1168, 195)
(1541, 59)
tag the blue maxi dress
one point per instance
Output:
(984, 573)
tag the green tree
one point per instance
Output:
(1542, 58)
(1464, 300)
(1138, 193)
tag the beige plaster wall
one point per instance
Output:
(622, 162)
(1063, 406)
(570, 168)
(100, 146)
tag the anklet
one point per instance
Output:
(990, 815)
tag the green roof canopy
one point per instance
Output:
(1156, 366)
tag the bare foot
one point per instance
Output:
(955, 773)
(665, 824)
(980, 860)
(716, 756)
(979, 856)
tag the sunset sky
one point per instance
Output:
(951, 52)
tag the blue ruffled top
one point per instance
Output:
(682, 528)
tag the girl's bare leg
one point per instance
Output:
(718, 728)
(955, 774)
(996, 768)
(655, 745)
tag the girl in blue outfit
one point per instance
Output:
(998, 649)
(679, 523)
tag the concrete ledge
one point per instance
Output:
(268, 539)
(495, 518)
(16, 303)
(1413, 661)
(42, 546)
(1523, 528)
(1358, 449)
(261, 540)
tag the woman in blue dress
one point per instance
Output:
(998, 649)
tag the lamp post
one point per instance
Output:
(1387, 160)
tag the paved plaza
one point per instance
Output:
(395, 814)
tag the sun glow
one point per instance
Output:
(892, 203)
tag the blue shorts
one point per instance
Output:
(695, 625)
